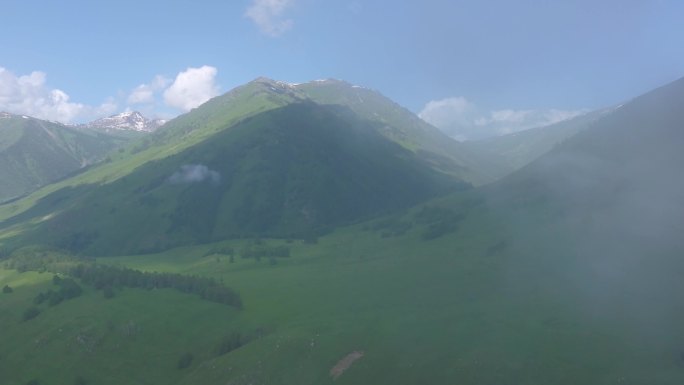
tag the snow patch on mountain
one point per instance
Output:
(126, 121)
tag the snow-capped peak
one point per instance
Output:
(128, 120)
(275, 83)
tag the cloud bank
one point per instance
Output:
(30, 95)
(194, 173)
(268, 16)
(145, 93)
(187, 90)
(192, 87)
(462, 120)
(449, 112)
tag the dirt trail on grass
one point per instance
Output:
(345, 363)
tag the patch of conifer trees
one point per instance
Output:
(105, 278)
(68, 289)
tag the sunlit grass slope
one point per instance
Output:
(35, 152)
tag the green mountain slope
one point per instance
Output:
(513, 151)
(635, 149)
(402, 126)
(261, 95)
(295, 171)
(177, 135)
(34, 153)
(594, 227)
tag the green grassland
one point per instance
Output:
(483, 303)
(106, 340)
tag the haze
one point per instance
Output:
(351, 192)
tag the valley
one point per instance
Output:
(356, 239)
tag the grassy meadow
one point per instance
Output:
(471, 306)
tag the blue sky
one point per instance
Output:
(494, 66)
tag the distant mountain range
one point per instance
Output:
(475, 162)
(513, 151)
(270, 158)
(125, 121)
(35, 152)
(623, 168)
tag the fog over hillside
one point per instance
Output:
(278, 192)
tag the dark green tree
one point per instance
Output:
(40, 298)
(108, 292)
(30, 313)
(185, 360)
(229, 343)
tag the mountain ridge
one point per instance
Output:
(124, 121)
(36, 152)
(227, 139)
(518, 149)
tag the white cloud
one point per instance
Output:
(268, 16)
(107, 108)
(30, 95)
(449, 113)
(194, 173)
(509, 121)
(462, 120)
(192, 87)
(142, 94)
(146, 93)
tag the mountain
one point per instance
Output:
(634, 149)
(404, 127)
(592, 231)
(290, 168)
(567, 271)
(35, 152)
(612, 197)
(124, 122)
(177, 135)
(513, 151)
